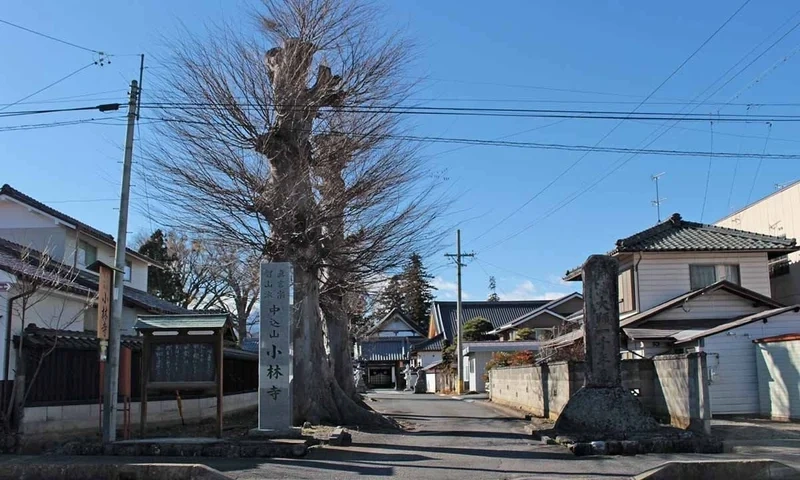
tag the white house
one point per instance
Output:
(777, 214)
(40, 244)
(686, 286)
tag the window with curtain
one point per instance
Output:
(702, 276)
(730, 273)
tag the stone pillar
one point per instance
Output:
(601, 321)
(274, 351)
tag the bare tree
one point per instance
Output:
(47, 295)
(265, 147)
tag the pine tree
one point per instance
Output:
(164, 283)
(391, 297)
(417, 292)
(493, 296)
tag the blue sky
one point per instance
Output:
(520, 54)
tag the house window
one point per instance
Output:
(128, 268)
(87, 254)
(730, 273)
(627, 296)
(701, 276)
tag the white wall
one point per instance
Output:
(51, 310)
(778, 365)
(427, 358)
(71, 418)
(734, 381)
(719, 304)
(475, 369)
(663, 276)
(778, 214)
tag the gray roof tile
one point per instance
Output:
(498, 313)
(384, 350)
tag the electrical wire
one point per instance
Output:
(51, 37)
(48, 86)
(35, 126)
(758, 168)
(102, 107)
(708, 174)
(622, 161)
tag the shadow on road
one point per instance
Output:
(478, 452)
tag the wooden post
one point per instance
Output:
(220, 393)
(145, 374)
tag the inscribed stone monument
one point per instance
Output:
(274, 353)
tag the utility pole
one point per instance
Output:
(115, 325)
(658, 201)
(459, 356)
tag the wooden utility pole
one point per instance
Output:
(459, 356)
(115, 326)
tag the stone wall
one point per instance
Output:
(672, 387)
(72, 418)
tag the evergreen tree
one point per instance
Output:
(390, 297)
(477, 329)
(164, 283)
(417, 292)
(493, 296)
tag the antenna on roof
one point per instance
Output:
(658, 201)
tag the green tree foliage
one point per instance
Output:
(164, 283)
(525, 334)
(478, 329)
(449, 355)
(410, 291)
(416, 291)
(493, 296)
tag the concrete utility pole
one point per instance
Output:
(459, 356)
(115, 326)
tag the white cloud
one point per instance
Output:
(523, 291)
(528, 291)
(446, 290)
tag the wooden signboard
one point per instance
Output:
(104, 302)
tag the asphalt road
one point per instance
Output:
(465, 439)
(449, 439)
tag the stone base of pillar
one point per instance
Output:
(604, 413)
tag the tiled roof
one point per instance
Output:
(534, 313)
(435, 344)
(384, 350)
(250, 344)
(73, 280)
(678, 235)
(498, 313)
(11, 192)
(80, 340)
(388, 318)
(195, 321)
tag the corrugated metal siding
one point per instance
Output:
(734, 388)
(778, 214)
(663, 276)
(779, 379)
(498, 313)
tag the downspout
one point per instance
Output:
(636, 277)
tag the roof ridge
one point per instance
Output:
(675, 220)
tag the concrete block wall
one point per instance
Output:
(72, 418)
(673, 388)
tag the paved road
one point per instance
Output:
(470, 439)
(451, 439)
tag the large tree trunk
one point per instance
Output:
(318, 398)
(339, 347)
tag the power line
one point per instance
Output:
(736, 168)
(758, 168)
(708, 174)
(105, 107)
(51, 37)
(48, 86)
(36, 126)
(622, 161)
(608, 134)
(537, 145)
